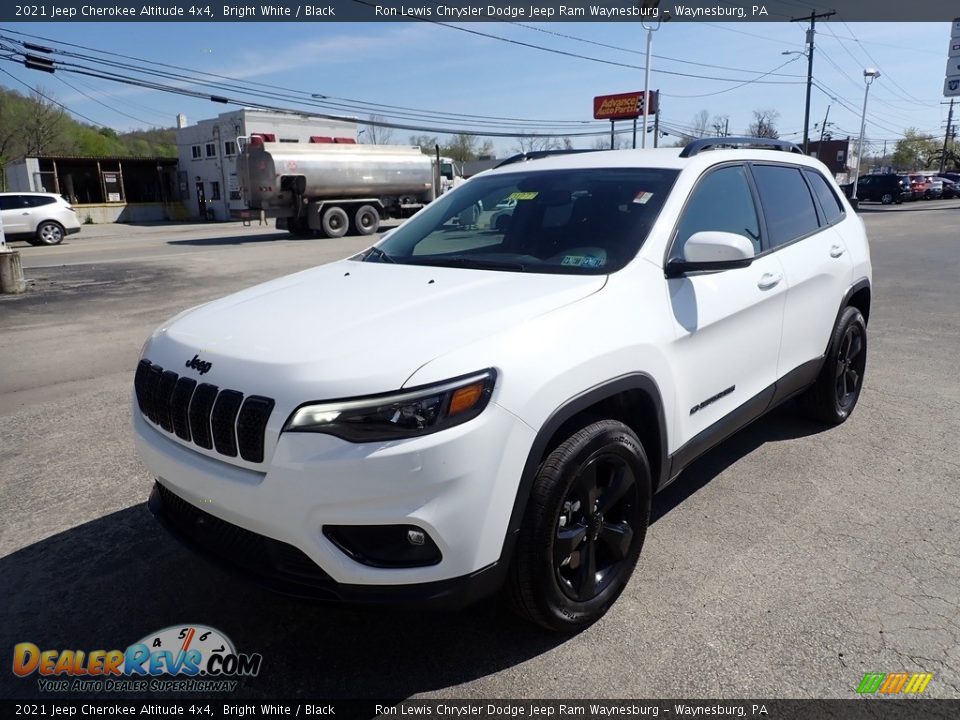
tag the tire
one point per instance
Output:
(887, 199)
(298, 227)
(49, 233)
(366, 220)
(553, 587)
(832, 398)
(335, 222)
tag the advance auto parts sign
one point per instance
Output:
(624, 106)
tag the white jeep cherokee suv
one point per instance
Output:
(463, 407)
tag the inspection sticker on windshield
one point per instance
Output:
(582, 261)
(522, 196)
(642, 197)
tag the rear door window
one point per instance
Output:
(832, 208)
(787, 204)
(38, 200)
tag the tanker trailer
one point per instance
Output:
(332, 188)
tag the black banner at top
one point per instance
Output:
(202, 11)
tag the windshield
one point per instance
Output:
(589, 221)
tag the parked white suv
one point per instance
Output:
(462, 408)
(38, 218)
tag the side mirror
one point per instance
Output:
(711, 250)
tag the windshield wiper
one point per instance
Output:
(474, 263)
(380, 254)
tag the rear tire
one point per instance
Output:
(335, 222)
(835, 393)
(366, 221)
(583, 528)
(49, 233)
(887, 199)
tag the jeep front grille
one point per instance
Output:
(203, 414)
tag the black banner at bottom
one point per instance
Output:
(864, 708)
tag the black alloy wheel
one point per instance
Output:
(583, 527)
(851, 363)
(596, 526)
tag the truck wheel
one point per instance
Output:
(335, 222)
(298, 227)
(366, 221)
(583, 528)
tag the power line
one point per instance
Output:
(735, 87)
(108, 107)
(50, 99)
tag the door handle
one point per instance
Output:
(769, 280)
(836, 251)
(26, 213)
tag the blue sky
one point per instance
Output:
(429, 66)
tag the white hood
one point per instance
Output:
(353, 328)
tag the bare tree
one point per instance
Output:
(43, 126)
(764, 124)
(603, 143)
(720, 125)
(463, 147)
(699, 124)
(532, 143)
(376, 134)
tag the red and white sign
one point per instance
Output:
(624, 106)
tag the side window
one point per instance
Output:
(38, 200)
(787, 204)
(8, 202)
(721, 201)
(828, 199)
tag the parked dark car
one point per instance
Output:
(934, 189)
(954, 176)
(886, 189)
(951, 189)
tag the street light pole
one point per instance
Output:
(869, 75)
(649, 6)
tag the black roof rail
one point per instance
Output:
(701, 144)
(536, 155)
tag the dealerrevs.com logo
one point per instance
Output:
(180, 658)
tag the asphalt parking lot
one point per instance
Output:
(786, 563)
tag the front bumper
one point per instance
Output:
(457, 485)
(284, 569)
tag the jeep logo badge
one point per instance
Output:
(201, 366)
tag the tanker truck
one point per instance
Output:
(331, 188)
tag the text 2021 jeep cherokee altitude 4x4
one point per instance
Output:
(466, 406)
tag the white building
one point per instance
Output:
(208, 153)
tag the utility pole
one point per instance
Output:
(946, 139)
(823, 130)
(810, 33)
(656, 124)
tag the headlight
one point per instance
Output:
(404, 414)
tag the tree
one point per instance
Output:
(764, 124)
(533, 143)
(720, 125)
(376, 134)
(699, 124)
(603, 143)
(463, 147)
(43, 126)
(427, 143)
(916, 150)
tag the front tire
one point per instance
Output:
(335, 222)
(49, 233)
(583, 528)
(835, 393)
(887, 199)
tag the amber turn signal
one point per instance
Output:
(465, 398)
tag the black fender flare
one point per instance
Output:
(571, 407)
